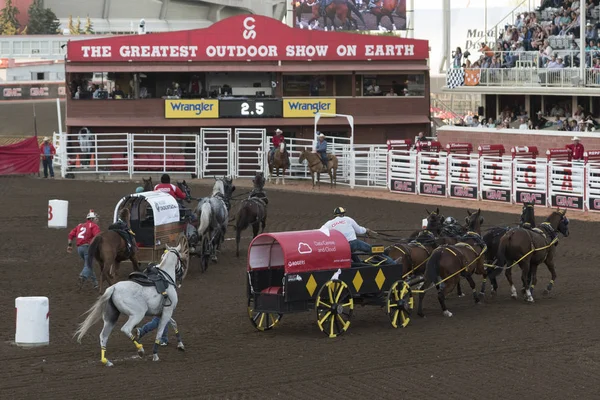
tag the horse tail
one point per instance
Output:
(89, 262)
(504, 244)
(205, 218)
(353, 8)
(432, 270)
(94, 313)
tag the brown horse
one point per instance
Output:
(109, 249)
(528, 248)
(342, 9)
(385, 8)
(449, 262)
(434, 223)
(253, 211)
(316, 166)
(147, 184)
(279, 161)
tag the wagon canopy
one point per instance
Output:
(164, 206)
(300, 251)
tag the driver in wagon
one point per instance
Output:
(349, 228)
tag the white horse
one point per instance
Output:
(136, 301)
(214, 216)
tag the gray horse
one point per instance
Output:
(213, 214)
(136, 301)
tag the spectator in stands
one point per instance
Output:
(590, 33)
(457, 56)
(491, 123)
(469, 118)
(545, 53)
(538, 120)
(576, 148)
(117, 93)
(523, 124)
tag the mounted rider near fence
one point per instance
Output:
(278, 158)
(316, 166)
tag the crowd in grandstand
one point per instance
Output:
(547, 38)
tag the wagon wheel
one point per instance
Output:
(261, 320)
(185, 253)
(334, 308)
(399, 304)
(205, 253)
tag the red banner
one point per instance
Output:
(20, 158)
(247, 38)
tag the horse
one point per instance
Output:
(147, 184)
(213, 214)
(528, 248)
(136, 301)
(185, 188)
(448, 262)
(492, 239)
(385, 8)
(253, 211)
(308, 6)
(315, 165)
(109, 249)
(435, 220)
(279, 161)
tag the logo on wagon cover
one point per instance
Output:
(304, 248)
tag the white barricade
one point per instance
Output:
(530, 181)
(495, 178)
(402, 167)
(593, 186)
(295, 147)
(567, 184)
(432, 174)
(463, 176)
(58, 213)
(33, 321)
(216, 152)
(250, 152)
(95, 153)
(370, 165)
(164, 153)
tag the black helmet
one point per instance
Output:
(339, 211)
(165, 178)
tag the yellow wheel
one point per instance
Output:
(261, 320)
(334, 308)
(399, 304)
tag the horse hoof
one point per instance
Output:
(141, 352)
(513, 296)
(108, 364)
(180, 347)
(155, 357)
(447, 313)
(422, 315)
(461, 295)
(493, 293)
(546, 292)
(482, 295)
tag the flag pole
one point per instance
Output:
(35, 130)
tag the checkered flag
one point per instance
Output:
(455, 77)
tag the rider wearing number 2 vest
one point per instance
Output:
(85, 233)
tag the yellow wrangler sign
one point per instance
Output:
(307, 108)
(191, 109)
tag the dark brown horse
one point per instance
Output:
(253, 211)
(147, 184)
(492, 238)
(435, 221)
(280, 161)
(342, 9)
(386, 8)
(109, 249)
(528, 248)
(449, 262)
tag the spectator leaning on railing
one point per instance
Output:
(576, 148)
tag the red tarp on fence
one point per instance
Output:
(20, 158)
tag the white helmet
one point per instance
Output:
(450, 221)
(92, 215)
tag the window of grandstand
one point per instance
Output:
(392, 85)
(308, 85)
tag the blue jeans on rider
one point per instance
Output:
(152, 325)
(357, 245)
(86, 272)
(324, 159)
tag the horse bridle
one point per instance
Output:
(178, 267)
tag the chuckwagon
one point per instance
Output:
(298, 271)
(157, 221)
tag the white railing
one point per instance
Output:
(535, 77)
(173, 154)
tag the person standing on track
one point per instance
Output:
(85, 233)
(349, 228)
(47, 152)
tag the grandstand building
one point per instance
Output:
(543, 64)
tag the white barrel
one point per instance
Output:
(424, 223)
(33, 321)
(58, 212)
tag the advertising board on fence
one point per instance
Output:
(191, 109)
(32, 91)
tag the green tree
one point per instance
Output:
(42, 21)
(89, 29)
(8, 19)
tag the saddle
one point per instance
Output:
(151, 276)
(126, 234)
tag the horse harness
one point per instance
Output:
(261, 205)
(154, 276)
(461, 256)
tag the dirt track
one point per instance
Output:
(503, 349)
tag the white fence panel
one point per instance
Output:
(216, 155)
(295, 147)
(593, 186)
(567, 184)
(164, 153)
(251, 148)
(530, 181)
(495, 178)
(402, 171)
(370, 165)
(463, 176)
(432, 174)
(96, 153)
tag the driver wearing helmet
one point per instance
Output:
(85, 233)
(450, 221)
(166, 186)
(349, 228)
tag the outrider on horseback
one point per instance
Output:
(320, 161)
(279, 158)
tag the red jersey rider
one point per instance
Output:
(277, 139)
(166, 187)
(85, 233)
